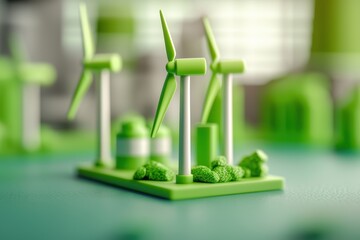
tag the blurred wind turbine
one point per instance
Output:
(31, 76)
(103, 63)
(226, 68)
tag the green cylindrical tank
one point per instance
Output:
(161, 145)
(132, 145)
(336, 35)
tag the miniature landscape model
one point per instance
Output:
(143, 150)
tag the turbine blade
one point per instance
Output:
(81, 88)
(169, 45)
(213, 48)
(88, 45)
(212, 90)
(167, 94)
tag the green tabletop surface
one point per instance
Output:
(42, 198)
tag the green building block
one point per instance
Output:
(348, 122)
(298, 108)
(206, 143)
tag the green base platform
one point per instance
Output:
(173, 191)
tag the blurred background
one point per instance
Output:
(302, 61)
(299, 99)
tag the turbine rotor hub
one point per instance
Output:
(171, 67)
(214, 65)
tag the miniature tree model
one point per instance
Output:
(183, 68)
(226, 68)
(30, 77)
(103, 64)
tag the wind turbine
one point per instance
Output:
(184, 68)
(226, 68)
(103, 63)
(30, 77)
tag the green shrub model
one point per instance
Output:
(219, 172)
(255, 164)
(154, 171)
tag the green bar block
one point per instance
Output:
(190, 66)
(172, 191)
(230, 66)
(206, 143)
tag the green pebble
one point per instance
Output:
(219, 161)
(140, 173)
(224, 173)
(204, 174)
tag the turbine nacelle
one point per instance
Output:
(228, 66)
(111, 62)
(187, 66)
